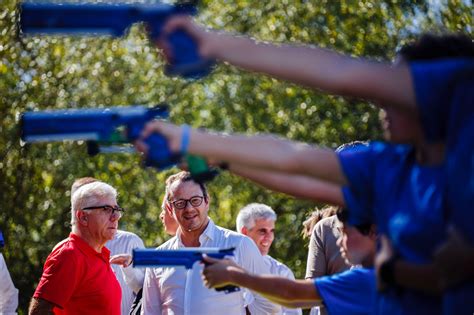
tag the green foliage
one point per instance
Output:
(39, 73)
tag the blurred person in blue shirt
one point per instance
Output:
(408, 188)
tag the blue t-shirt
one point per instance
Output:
(349, 292)
(387, 187)
(445, 97)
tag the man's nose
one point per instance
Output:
(269, 236)
(188, 204)
(115, 216)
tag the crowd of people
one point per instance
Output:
(397, 239)
(96, 260)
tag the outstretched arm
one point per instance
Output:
(299, 186)
(281, 290)
(307, 65)
(263, 152)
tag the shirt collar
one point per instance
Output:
(208, 233)
(87, 249)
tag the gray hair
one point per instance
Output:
(252, 212)
(88, 195)
(78, 183)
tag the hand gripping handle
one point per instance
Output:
(159, 154)
(186, 59)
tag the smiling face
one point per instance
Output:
(190, 218)
(262, 233)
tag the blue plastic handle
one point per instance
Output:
(186, 59)
(159, 154)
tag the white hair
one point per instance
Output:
(252, 212)
(88, 195)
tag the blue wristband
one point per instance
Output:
(185, 137)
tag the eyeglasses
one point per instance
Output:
(180, 204)
(108, 210)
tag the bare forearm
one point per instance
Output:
(40, 307)
(278, 289)
(303, 64)
(270, 153)
(299, 186)
(319, 69)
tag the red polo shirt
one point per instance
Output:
(79, 280)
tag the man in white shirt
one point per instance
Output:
(8, 292)
(130, 279)
(170, 227)
(257, 221)
(174, 290)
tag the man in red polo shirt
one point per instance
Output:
(77, 277)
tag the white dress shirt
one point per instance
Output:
(176, 291)
(130, 279)
(8, 292)
(280, 269)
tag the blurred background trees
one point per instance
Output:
(38, 73)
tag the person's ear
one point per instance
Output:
(244, 231)
(82, 217)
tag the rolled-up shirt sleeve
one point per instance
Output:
(134, 277)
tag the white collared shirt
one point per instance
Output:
(280, 269)
(130, 279)
(174, 291)
(8, 292)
